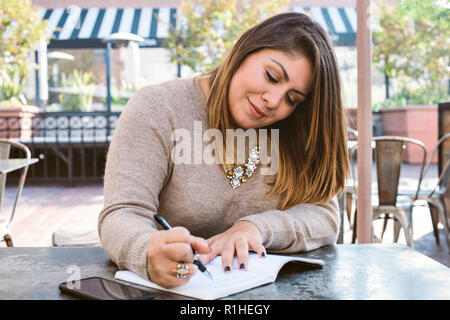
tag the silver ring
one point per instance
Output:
(182, 271)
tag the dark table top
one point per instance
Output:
(351, 271)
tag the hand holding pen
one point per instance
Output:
(171, 255)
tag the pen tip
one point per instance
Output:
(209, 275)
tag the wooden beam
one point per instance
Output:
(364, 56)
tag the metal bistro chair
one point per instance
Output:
(5, 148)
(351, 185)
(391, 205)
(435, 197)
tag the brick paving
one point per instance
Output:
(43, 209)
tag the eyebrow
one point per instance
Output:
(287, 77)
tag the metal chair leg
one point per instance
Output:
(435, 219)
(354, 227)
(348, 207)
(386, 218)
(407, 228)
(400, 221)
(397, 227)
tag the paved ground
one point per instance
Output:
(44, 209)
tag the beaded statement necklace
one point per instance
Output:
(242, 173)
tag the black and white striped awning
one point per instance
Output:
(85, 28)
(76, 27)
(340, 23)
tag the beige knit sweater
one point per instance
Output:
(141, 178)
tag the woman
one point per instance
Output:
(281, 75)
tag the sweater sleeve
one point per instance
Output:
(137, 167)
(303, 227)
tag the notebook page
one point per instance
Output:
(202, 287)
(273, 263)
(259, 271)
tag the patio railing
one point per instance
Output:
(72, 145)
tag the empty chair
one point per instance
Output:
(8, 165)
(436, 197)
(391, 206)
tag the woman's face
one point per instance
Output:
(267, 87)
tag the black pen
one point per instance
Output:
(197, 261)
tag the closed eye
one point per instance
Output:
(289, 100)
(273, 80)
(270, 77)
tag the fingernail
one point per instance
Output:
(227, 269)
(263, 254)
(242, 266)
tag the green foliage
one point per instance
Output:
(207, 30)
(411, 44)
(81, 85)
(11, 87)
(120, 99)
(20, 31)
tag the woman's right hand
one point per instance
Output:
(167, 249)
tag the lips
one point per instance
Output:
(258, 111)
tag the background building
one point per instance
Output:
(78, 28)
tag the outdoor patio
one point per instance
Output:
(69, 68)
(45, 208)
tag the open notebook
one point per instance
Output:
(259, 271)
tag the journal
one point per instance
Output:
(259, 271)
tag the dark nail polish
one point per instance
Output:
(242, 266)
(227, 269)
(263, 254)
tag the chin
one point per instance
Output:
(245, 123)
(244, 120)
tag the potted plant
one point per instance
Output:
(410, 47)
(80, 91)
(21, 29)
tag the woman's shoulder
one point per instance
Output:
(169, 91)
(169, 97)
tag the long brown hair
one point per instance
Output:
(313, 162)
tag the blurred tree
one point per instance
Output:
(21, 29)
(206, 29)
(411, 42)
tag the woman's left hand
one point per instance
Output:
(240, 239)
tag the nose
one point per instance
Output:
(273, 98)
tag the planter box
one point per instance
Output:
(16, 121)
(418, 122)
